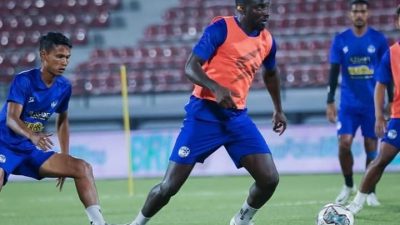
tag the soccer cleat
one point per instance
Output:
(344, 195)
(372, 200)
(354, 207)
(233, 222)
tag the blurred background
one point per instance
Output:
(153, 39)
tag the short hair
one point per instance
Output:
(51, 39)
(352, 2)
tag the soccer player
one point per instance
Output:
(25, 149)
(222, 66)
(388, 73)
(357, 52)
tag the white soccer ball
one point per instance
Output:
(334, 214)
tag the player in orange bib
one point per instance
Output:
(222, 66)
(389, 72)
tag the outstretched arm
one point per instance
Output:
(331, 112)
(196, 74)
(272, 82)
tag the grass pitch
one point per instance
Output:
(202, 201)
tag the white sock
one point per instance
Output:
(140, 219)
(245, 214)
(360, 198)
(94, 214)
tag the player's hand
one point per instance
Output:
(42, 141)
(279, 122)
(331, 112)
(60, 183)
(224, 97)
(380, 126)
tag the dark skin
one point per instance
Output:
(359, 16)
(60, 165)
(261, 167)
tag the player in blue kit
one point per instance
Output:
(25, 149)
(222, 66)
(357, 52)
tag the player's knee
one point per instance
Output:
(269, 182)
(345, 145)
(83, 168)
(168, 189)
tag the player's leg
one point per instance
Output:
(248, 148)
(371, 148)
(348, 122)
(372, 175)
(62, 165)
(160, 194)
(196, 141)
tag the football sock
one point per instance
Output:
(94, 214)
(140, 219)
(348, 180)
(360, 198)
(246, 213)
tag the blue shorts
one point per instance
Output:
(392, 135)
(25, 163)
(203, 133)
(349, 120)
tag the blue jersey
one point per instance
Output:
(39, 103)
(359, 58)
(215, 35)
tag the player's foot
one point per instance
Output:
(344, 195)
(354, 207)
(372, 200)
(233, 222)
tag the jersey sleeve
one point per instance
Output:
(65, 101)
(18, 92)
(213, 37)
(335, 51)
(383, 47)
(384, 74)
(270, 61)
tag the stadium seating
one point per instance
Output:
(22, 22)
(303, 30)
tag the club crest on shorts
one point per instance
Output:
(392, 134)
(2, 158)
(183, 152)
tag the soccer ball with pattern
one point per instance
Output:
(334, 214)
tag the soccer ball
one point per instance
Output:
(334, 214)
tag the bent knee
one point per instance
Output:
(168, 189)
(269, 181)
(83, 168)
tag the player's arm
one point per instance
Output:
(62, 126)
(379, 99)
(273, 84)
(383, 81)
(14, 122)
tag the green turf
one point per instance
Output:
(202, 201)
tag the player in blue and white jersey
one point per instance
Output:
(25, 148)
(355, 53)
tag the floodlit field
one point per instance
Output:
(202, 201)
